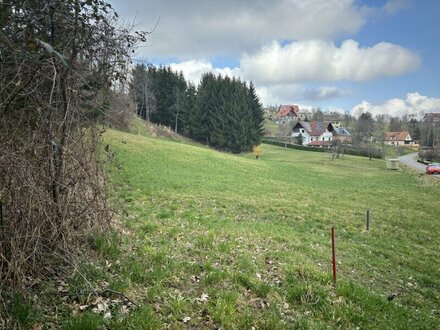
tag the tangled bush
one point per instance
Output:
(58, 61)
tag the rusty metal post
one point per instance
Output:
(333, 255)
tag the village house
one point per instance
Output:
(432, 117)
(317, 134)
(287, 114)
(402, 139)
(335, 118)
(342, 134)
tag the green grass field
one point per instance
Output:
(270, 127)
(220, 240)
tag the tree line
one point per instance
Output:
(366, 125)
(222, 112)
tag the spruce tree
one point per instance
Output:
(188, 111)
(222, 112)
(257, 116)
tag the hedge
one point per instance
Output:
(355, 151)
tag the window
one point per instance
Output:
(311, 139)
(302, 131)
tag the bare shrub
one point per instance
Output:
(119, 111)
(58, 60)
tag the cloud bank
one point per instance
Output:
(278, 71)
(323, 61)
(231, 27)
(285, 46)
(414, 104)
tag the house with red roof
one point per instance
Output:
(316, 134)
(287, 114)
(402, 139)
(432, 117)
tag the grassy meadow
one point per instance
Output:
(215, 240)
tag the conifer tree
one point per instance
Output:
(188, 117)
(257, 115)
(222, 112)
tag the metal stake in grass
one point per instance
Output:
(1, 215)
(1, 222)
(333, 255)
(368, 219)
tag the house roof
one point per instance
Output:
(342, 131)
(399, 136)
(285, 110)
(315, 128)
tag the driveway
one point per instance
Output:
(410, 161)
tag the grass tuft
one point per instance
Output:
(22, 310)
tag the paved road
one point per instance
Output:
(410, 161)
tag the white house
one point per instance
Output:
(400, 139)
(314, 133)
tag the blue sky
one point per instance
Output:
(345, 55)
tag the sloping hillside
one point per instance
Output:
(218, 239)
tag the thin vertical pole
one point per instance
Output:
(1, 215)
(2, 227)
(333, 255)
(368, 219)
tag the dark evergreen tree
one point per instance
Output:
(222, 112)
(257, 116)
(395, 124)
(189, 117)
(205, 106)
(363, 128)
(414, 128)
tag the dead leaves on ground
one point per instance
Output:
(107, 307)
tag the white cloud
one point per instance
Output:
(193, 70)
(279, 94)
(423, 103)
(269, 94)
(414, 104)
(200, 28)
(316, 60)
(278, 71)
(295, 93)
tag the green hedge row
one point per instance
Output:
(293, 146)
(355, 151)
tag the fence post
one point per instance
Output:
(2, 227)
(368, 219)
(333, 255)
